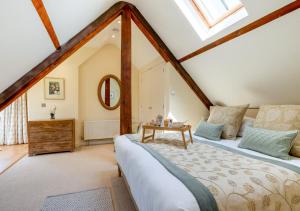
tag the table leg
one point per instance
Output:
(183, 138)
(119, 171)
(191, 137)
(153, 135)
(143, 137)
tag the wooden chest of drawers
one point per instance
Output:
(51, 136)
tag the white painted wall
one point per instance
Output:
(65, 108)
(106, 61)
(82, 73)
(152, 91)
(183, 104)
(180, 102)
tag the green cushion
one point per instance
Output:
(270, 142)
(209, 131)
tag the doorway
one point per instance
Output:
(152, 93)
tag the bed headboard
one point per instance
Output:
(252, 112)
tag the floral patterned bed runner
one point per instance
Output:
(236, 180)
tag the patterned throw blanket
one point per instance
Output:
(236, 180)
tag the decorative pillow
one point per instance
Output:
(270, 142)
(209, 131)
(280, 117)
(229, 116)
(247, 122)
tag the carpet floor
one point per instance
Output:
(27, 184)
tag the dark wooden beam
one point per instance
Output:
(40, 8)
(66, 50)
(125, 107)
(60, 55)
(164, 51)
(258, 23)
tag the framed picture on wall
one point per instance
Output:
(54, 88)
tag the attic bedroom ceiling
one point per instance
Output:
(260, 67)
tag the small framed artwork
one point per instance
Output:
(54, 88)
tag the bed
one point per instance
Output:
(210, 175)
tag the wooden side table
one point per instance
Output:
(182, 130)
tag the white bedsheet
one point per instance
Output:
(152, 186)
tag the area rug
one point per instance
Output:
(122, 198)
(90, 200)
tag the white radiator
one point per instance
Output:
(101, 129)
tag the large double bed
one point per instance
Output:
(209, 175)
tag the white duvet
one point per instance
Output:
(152, 186)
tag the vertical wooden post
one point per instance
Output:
(125, 109)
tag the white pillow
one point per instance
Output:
(247, 122)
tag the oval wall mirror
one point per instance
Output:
(109, 92)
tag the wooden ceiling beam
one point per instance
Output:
(165, 52)
(258, 23)
(66, 50)
(40, 8)
(41, 70)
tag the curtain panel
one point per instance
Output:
(13, 123)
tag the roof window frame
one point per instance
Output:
(200, 23)
(204, 18)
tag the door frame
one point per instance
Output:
(159, 62)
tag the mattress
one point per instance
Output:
(152, 186)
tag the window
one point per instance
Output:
(214, 11)
(211, 16)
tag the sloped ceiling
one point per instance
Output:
(262, 67)
(24, 42)
(69, 17)
(259, 67)
(175, 30)
(143, 52)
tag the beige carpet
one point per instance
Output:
(26, 184)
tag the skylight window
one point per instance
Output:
(208, 17)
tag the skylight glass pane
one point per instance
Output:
(214, 10)
(232, 3)
(209, 17)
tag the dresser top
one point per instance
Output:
(51, 120)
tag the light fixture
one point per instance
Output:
(119, 21)
(115, 32)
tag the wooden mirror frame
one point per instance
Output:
(99, 92)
